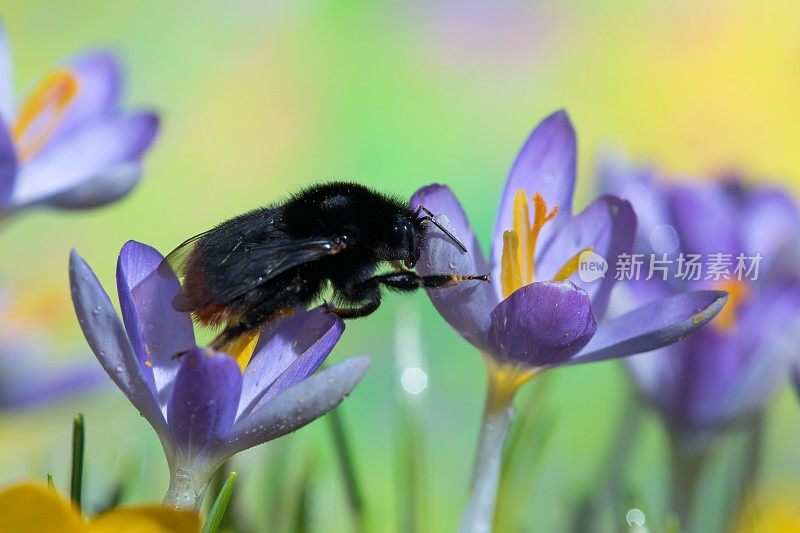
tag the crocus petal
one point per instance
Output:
(440, 200)
(542, 324)
(109, 342)
(293, 352)
(202, 406)
(99, 80)
(145, 519)
(636, 184)
(608, 225)
(6, 77)
(706, 218)
(106, 187)
(465, 306)
(90, 150)
(34, 507)
(766, 335)
(545, 165)
(157, 332)
(769, 220)
(691, 382)
(34, 388)
(297, 406)
(653, 325)
(8, 166)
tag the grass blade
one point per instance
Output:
(220, 505)
(344, 457)
(78, 438)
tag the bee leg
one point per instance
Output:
(365, 298)
(407, 281)
(363, 310)
(280, 304)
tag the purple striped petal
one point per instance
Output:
(89, 151)
(8, 166)
(292, 353)
(652, 325)
(542, 324)
(7, 112)
(106, 187)
(544, 165)
(297, 406)
(706, 218)
(205, 395)
(467, 305)
(440, 200)
(609, 226)
(99, 82)
(157, 332)
(109, 342)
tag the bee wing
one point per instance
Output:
(216, 269)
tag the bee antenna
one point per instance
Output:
(429, 218)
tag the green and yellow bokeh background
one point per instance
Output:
(260, 98)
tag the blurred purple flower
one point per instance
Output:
(727, 371)
(28, 377)
(525, 320)
(542, 310)
(68, 144)
(202, 406)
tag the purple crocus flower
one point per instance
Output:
(542, 309)
(28, 377)
(726, 372)
(68, 144)
(203, 407)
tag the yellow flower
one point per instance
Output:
(27, 507)
(773, 515)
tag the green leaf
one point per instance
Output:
(220, 504)
(344, 456)
(78, 438)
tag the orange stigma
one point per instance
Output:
(40, 115)
(738, 292)
(517, 267)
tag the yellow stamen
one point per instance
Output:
(519, 243)
(738, 292)
(242, 348)
(540, 218)
(510, 275)
(571, 266)
(522, 227)
(53, 94)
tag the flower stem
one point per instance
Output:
(497, 416)
(185, 490)
(687, 466)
